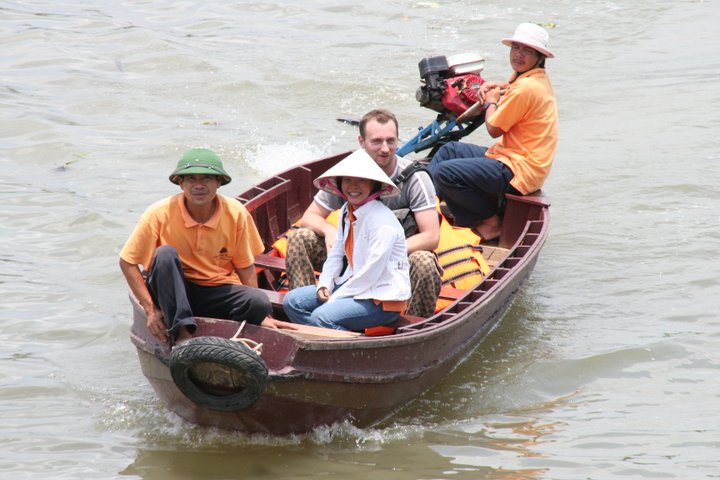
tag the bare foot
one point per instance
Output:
(489, 229)
(487, 233)
(183, 336)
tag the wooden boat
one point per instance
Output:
(317, 377)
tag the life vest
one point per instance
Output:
(460, 255)
(280, 245)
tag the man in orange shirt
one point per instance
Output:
(470, 179)
(197, 250)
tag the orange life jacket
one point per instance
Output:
(280, 245)
(460, 255)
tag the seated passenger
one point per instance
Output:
(365, 281)
(180, 281)
(308, 246)
(470, 178)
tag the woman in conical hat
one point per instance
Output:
(365, 280)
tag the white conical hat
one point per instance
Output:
(360, 165)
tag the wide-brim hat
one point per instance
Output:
(531, 35)
(200, 161)
(360, 165)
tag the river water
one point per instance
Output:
(606, 366)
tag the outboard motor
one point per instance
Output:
(450, 86)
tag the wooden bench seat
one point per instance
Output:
(270, 261)
(276, 298)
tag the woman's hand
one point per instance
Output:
(323, 294)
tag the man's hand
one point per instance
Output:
(492, 91)
(275, 324)
(136, 282)
(156, 324)
(493, 96)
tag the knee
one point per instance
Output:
(165, 252)
(446, 151)
(292, 299)
(299, 298)
(258, 308)
(422, 259)
(436, 162)
(443, 176)
(165, 260)
(301, 238)
(424, 268)
(321, 318)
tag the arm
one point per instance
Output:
(314, 219)
(492, 130)
(419, 193)
(332, 268)
(492, 97)
(247, 275)
(136, 282)
(428, 236)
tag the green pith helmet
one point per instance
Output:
(200, 161)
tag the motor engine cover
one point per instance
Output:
(461, 92)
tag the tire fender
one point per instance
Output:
(218, 373)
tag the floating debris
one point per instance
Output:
(64, 167)
(349, 121)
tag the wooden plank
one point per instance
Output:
(276, 298)
(265, 195)
(308, 331)
(494, 255)
(270, 261)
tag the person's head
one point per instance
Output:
(357, 189)
(379, 137)
(199, 173)
(528, 47)
(357, 179)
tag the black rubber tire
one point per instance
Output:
(238, 374)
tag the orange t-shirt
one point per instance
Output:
(528, 114)
(209, 252)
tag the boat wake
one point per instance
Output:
(273, 158)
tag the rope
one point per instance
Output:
(251, 344)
